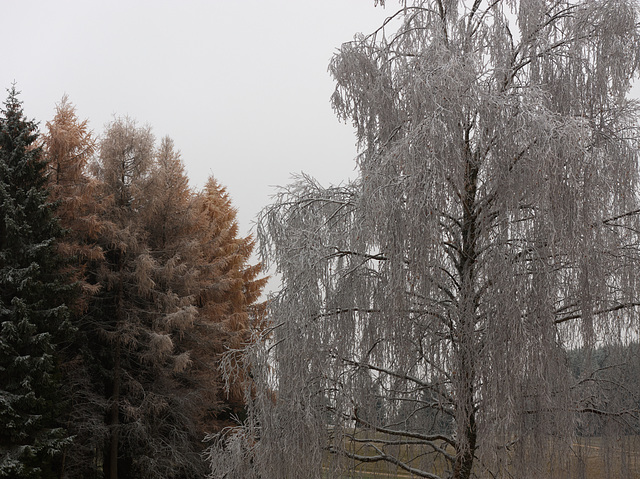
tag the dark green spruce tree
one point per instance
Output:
(34, 294)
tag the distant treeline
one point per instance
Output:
(608, 372)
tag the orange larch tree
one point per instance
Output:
(69, 146)
(228, 303)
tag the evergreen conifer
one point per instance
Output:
(34, 293)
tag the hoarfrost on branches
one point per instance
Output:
(449, 313)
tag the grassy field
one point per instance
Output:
(589, 458)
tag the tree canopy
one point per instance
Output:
(176, 288)
(428, 309)
(120, 287)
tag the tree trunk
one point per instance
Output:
(467, 343)
(114, 413)
(114, 418)
(464, 458)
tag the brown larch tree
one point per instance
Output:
(69, 146)
(176, 291)
(136, 313)
(125, 157)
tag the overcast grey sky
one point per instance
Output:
(240, 85)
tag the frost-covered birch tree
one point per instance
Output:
(431, 311)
